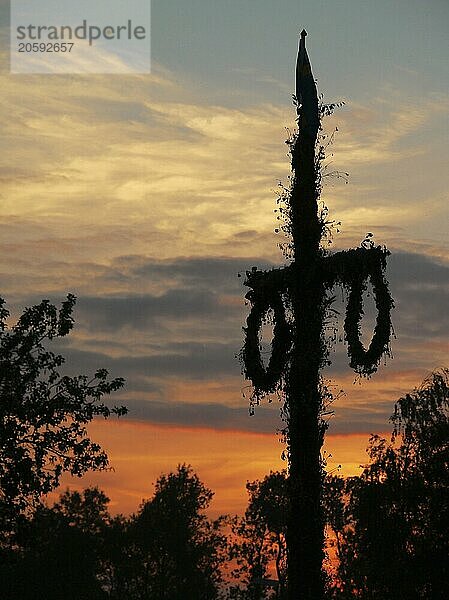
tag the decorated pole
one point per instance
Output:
(296, 298)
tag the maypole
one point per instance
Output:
(296, 298)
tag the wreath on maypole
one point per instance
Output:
(269, 293)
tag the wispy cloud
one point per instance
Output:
(146, 201)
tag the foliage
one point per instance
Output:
(352, 269)
(285, 209)
(259, 544)
(57, 551)
(169, 550)
(392, 521)
(120, 563)
(269, 295)
(252, 552)
(266, 294)
(268, 504)
(178, 548)
(43, 415)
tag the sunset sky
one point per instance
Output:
(146, 195)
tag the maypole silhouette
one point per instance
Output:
(295, 299)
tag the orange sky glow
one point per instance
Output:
(224, 461)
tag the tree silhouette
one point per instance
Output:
(120, 560)
(168, 550)
(392, 521)
(261, 535)
(43, 415)
(179, 549)
(336, 520)
(297, 298)
(268, 505)
(260, 546)
(57, 551)
(251, 553)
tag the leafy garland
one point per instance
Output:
(350, 268)
(266, 294)
(353, 269)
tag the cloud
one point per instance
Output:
(215, 273)
(146, 202)
(183, 360)
(177, 349)
(143, 311)
(370, 418)
(107, 170)
(209, 415)
(193, 298)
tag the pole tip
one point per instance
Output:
(303, 33)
